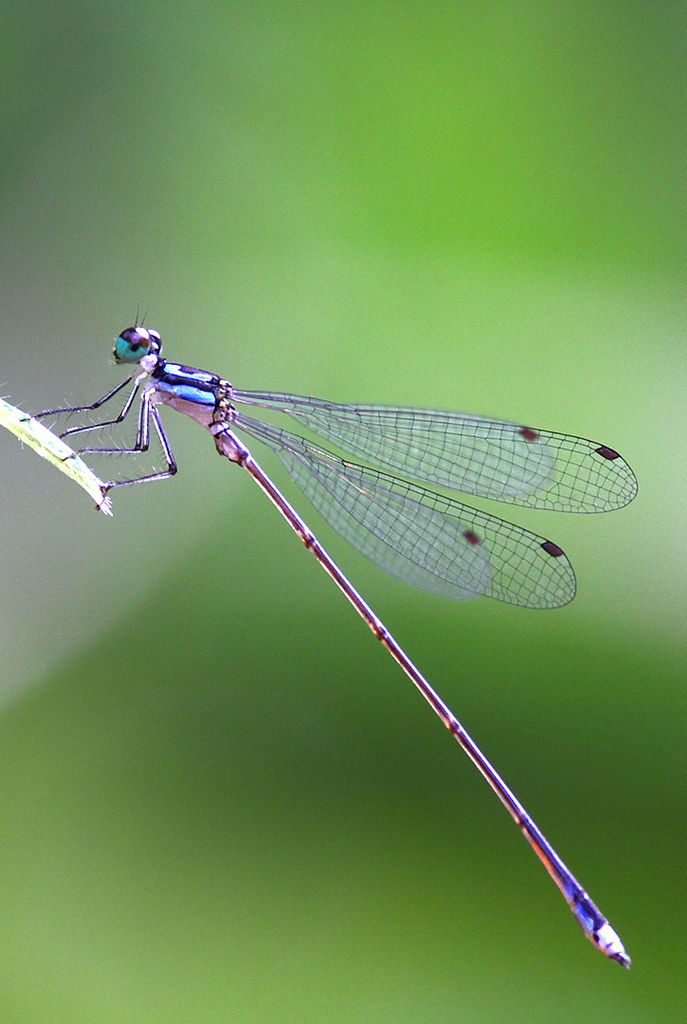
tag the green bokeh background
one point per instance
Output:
(220, 800)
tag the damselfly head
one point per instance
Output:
(136, 342)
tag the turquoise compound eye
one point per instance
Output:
(131, 345)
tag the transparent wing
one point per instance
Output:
(430, 541)
(486, 457)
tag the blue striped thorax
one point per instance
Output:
(187, 383)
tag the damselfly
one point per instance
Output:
(429, 540)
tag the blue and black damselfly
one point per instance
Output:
(426, 538)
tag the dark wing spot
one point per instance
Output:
(528, 434)
(607, 453)
(552, 549)
(471, 537)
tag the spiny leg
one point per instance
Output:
(142, 442)
(146, 412)
(85, 408)
(106, 423)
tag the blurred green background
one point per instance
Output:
(221, 801)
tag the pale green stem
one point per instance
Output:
(52, 448)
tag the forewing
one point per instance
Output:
(485, 457)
